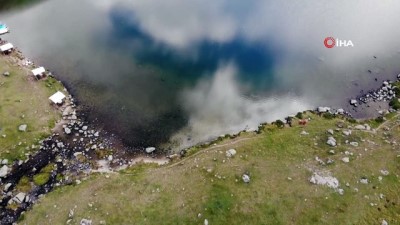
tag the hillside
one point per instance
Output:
(207, 187)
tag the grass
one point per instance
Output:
(24, 101)
(207, 185)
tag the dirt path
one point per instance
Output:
(211, 148)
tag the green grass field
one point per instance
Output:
(24, 100)
(208, 185)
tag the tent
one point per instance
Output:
(3, 29)
(57, 98)
(38, 72)
(6, 47)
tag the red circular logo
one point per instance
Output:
(329, 42)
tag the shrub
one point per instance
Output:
(299, 115)
(379, 119)
(279, 123)
(328, 115)
(352, 120)
(395, 104)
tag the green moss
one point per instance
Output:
(41, 179)
(24, 184)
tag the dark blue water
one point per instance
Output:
(180, 72)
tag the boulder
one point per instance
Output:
(67, 130)
(329, 181)
(3, 171)
(85, 222)
(340, 111)
(19, 198)
(230, 153)
(6, 73)
(330, 131)
(246, 178)
(346, 160)
(304, 132)
(359, 127)
(353, 143)
(364, 180)
(150, 150)
(22, 127)
(331, 141)
(323, 109)
(384, 222)
(7, 186)
(347, 132)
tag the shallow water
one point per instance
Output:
(184, 71)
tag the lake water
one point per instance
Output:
(184, 71)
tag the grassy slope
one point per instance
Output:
(24, 101)
(177, 193)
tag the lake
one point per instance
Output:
(158, 72)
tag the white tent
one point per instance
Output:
(57, 98)
(38, 71)
(6, 47)
(3, 29)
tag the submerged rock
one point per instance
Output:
(150, 150)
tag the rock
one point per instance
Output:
(346, 160)
(364, 180)
(384, 222)
(110, 158)
(4, 161)
(230, 153)
(347, 132)
(331, 141)
(353, 102)
(150, 150)
(246, 178)
(20, 197)
(359, 127)
(323, 109)
(67, 130)
(7, 186)
(367, 127)
(205, 222)
(3, 171)
(340, 191)
(329, 181)
(353, 143)
(6, 74)
(84, 128)
(71, 213)
(340, 111)
(304, 133)
(85, 222)
(330, 131)
(22, 127)
(384, 172)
